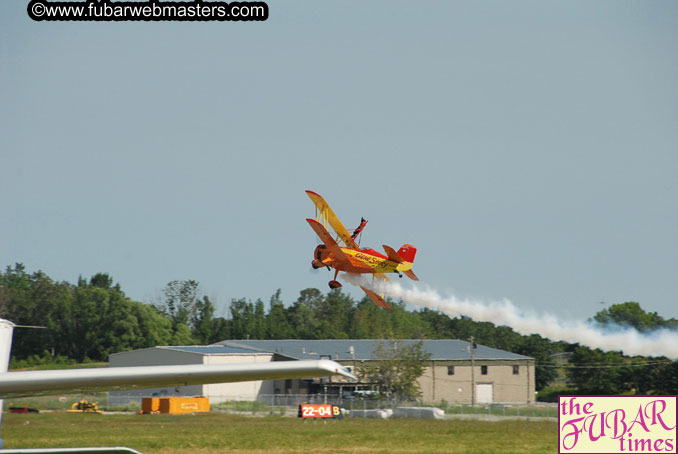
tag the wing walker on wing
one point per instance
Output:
(351, 258)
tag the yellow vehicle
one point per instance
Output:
(85, 407)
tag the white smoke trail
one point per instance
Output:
(630, 341)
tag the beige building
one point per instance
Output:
(496, 381)
(497, 376)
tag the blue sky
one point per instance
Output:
(528, 149)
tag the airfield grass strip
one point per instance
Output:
(221, 432)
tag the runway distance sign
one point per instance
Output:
(319, 411)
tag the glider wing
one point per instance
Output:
(42, 382)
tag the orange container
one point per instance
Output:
(182, 405)
(150, 405)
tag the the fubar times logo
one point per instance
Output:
(617, 424)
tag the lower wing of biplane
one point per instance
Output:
(376, 299)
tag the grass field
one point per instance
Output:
(222, 432)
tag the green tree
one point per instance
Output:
(203, 321)
(304, 313)
(595, 371)
(104, 321)
(258, 321)
(103, 280)
(36, 300)
(155, 328)
(397, 369)
(311, 298)
(370, 322)
(665, 378)
(181, 335)
(277, 324)
(541, 350)
(180, 301)
(221, 329)
(87, 321)
(242, 314)
(439, 324)
(631, 314)
(406, 324)
(334, 315)
(304, 322)
(14, 284)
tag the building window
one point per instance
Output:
(450, 370)
(516, 370)
(483, 370)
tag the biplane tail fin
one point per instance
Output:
(407, 252)
(392, 254)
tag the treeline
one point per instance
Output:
(93, 318)
(87, 321)
(591, 371)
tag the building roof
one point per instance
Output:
(214, 349)
(364, 349)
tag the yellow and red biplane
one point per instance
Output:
(352, 259)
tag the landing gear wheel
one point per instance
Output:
(334, 284)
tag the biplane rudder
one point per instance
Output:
(407, 252)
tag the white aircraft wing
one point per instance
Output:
(31, 383)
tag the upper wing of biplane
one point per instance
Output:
(325, 213)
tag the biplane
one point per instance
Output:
(351, 258)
